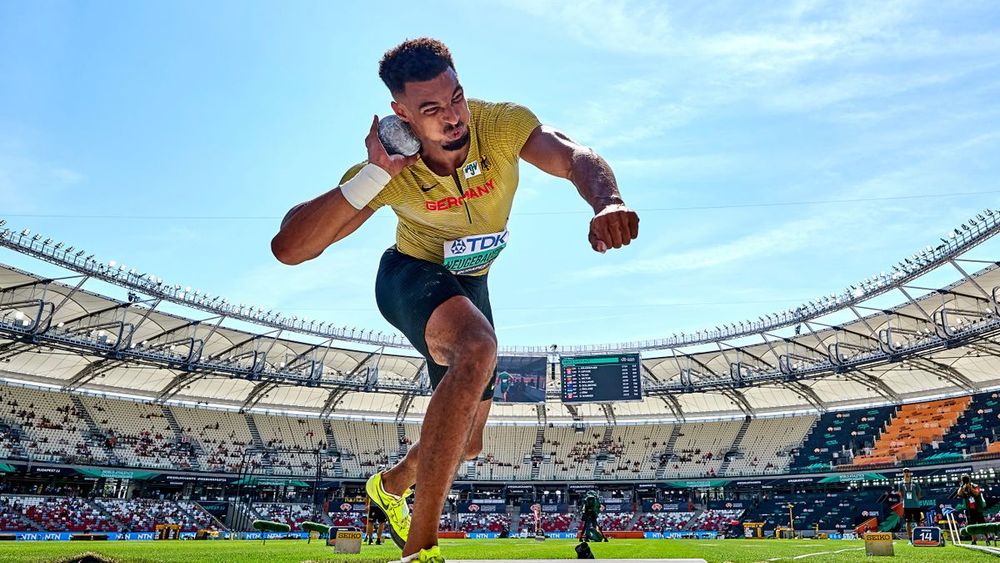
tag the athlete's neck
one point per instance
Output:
(442, 162)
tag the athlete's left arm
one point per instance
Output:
(614, 224)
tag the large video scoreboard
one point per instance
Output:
(520, 379)
(601, 379)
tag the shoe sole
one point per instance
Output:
(396, 539)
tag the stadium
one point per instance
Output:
(132, 404)
(242, 243)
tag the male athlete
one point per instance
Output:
(452, 201)
(591, 510)
(504, 379)
(911, 495)
(975, 504)
(375, 523)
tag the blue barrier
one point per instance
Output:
(269, 535)
(680, 535)
(42, 536)
(149, 536)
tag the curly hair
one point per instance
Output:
(414, 60)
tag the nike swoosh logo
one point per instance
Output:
(426, 189)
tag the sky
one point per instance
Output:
(773, 154)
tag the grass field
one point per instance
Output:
(737, 551)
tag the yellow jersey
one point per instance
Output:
(460, 221)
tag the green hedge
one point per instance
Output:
(980, 529)
(270, 526)
(321, 529)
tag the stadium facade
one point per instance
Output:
(121, 394)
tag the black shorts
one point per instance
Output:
(407, 290)
(911, 515)
(975, 517)
(377, 516)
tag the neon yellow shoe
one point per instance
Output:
(429, 555)
(396, 510)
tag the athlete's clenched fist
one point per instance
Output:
(614, 226)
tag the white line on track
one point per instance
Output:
(805, 555)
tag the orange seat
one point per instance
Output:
(914, 426)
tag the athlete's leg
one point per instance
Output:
(403, 475)
(460, 337)
(368, 529)
(381, 532)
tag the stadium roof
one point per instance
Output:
(836, 353)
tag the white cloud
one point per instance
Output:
(797, 58)
(785, 239)
(675, 167)
(615, 25)
(338, 276)
(28, 183)
(824, 224)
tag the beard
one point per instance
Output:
(458, 144)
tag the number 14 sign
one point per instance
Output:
(926, 536)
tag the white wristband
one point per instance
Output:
(365, 185)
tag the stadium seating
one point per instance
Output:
(139, 515)
(914, 426)
(549, 522)
(831, 511)
(506, 455)
(663, 521)
(616, 522)
(972, 434)
(49, 426)
(9, 441)
(365, 447)
(139, 434)
(291, 514)
(347, 520)
(767, 445)
(101, 515)
(483, 522)
(290, 432)
(69, 514)
(715, 520)
(569, 455)
(447, 523)
(700, 449)
(632, 451)
(11, 510)
(837, 435)
(198, 518)
(222, 435)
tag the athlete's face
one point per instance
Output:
(436, 110)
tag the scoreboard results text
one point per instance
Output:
(606, 378)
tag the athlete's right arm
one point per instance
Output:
(309, 228)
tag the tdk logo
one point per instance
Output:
(458, 247)
(487, 242)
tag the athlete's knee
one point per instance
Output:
(477, 352)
